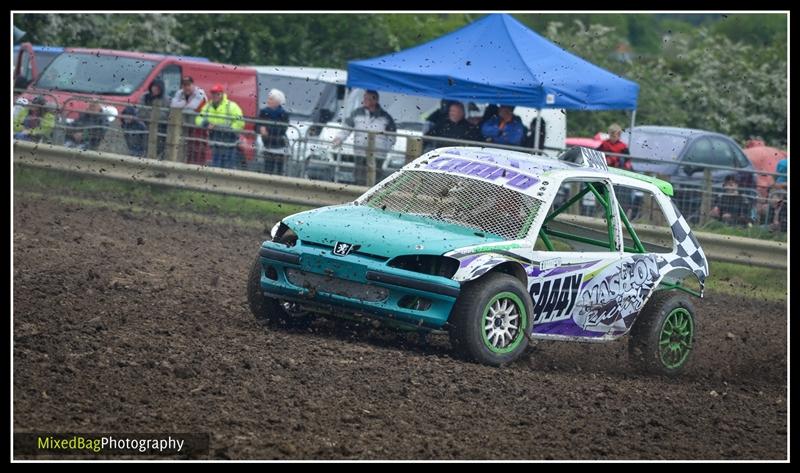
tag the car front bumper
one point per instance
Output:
(354, 283)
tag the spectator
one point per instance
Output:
(273, 136)
(35, 123)
(614, 145)
(474, 116)
(783, 168)
(488, 114)
(531, 135)
(156, 97)
(135, 132)
(90, 128)
(504, 128)
(370, 117)
(223, 119)
(731, 207)
(191, 99)
(454, 126)
(439, 115)
(777, 214)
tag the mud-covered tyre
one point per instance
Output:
(268, 310)
(661, 340)
(490, 319)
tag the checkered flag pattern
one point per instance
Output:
(594, 159)
(688, 253)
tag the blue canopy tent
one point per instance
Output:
(499, 60)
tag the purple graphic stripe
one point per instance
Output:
(566, 328)
(466, 261)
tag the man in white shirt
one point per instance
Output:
(189, 98)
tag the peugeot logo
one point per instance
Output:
(342, 249)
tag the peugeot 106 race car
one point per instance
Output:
(477, 242)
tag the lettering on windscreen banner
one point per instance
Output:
(490, 172)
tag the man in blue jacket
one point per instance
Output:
(504, 128)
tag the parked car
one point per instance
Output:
(450, 243)
(680, 154)
(592, 143)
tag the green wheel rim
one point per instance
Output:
(675, 340)
(503, 323)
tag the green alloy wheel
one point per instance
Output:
(662, 338)
(490, 320)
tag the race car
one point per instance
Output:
(478, 242)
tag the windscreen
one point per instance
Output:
(472, 203)
(95, 74)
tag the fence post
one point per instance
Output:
(370, 159)
(174, 131)
(413, 148)
(152, 138)
(705, 206)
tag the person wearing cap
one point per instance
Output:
(273, 136)
(35, 122)
(504, 128)
(191, 99)
(222, 117)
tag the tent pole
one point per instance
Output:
(344, 104)
(633, 121)
(538, 127)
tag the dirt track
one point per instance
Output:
(136, 322)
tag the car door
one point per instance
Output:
(571, 255)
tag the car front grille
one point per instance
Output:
(317, 283)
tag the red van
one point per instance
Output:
(122, 77)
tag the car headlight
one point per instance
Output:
(274, 230)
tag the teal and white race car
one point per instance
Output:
(480, 242)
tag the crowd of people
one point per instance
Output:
(498, 124)
(215, 122)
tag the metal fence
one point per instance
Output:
(364, 158)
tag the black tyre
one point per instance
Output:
(268, 310)
(662, 338)
(490, 319)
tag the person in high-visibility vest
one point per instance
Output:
(35, 122)
(223, 118)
